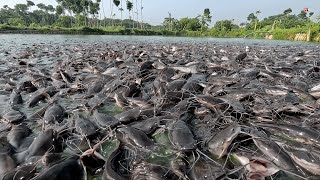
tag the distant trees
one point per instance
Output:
(68, 13)
(77, 13)
(199, 23)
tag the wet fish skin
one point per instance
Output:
(276, 154)
(69, 169)
(40, 145)
(306, 135)
(134, 137)
(181, 136)
(218, 144)
(15, 98)
(306, 159)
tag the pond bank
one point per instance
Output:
(302, 34)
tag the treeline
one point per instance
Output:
(85, 16)
(68, 14)
(285, 20)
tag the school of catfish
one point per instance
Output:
(128, 110)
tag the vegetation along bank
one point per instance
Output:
(86, 18)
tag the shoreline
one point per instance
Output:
(145, 32)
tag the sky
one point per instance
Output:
(155, 11)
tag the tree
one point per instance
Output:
(64, 21)
(59, 10)
(318, 18)
(21, 10)
(205, 18)
(117, 3)
(168, 22)
(30, 3)
(94, 9)
(257, 20)
(207, 15)
(129, 7)
(311, 14)
(137, 12)
(225, 25)
(121, 10)
(141, 17)
(302, 15)
(253, 18)
(43, 8)
(191, 24)
(287, 11)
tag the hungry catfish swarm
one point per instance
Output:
(129, 110)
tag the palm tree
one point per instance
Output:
(132, 15)
(137, 12)
(205, 18)
(257, 13)
(141, 7)
(117, 3)
(121, 9)
(168, 22)
(104, 15)
(111, 12)
(30, 3)
(94, 10)
(129, 7)
(98, 12)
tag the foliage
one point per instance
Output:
(205, 19)
(15, 22)
(116, 2)
(67, 14)
(251, 17)
(190, 24)
(81, 16)
(225, 25)
(129, 5)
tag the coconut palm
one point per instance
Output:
(205, 19)
(129, 7)
(121, 9)
(117, 3)
(111, 12)
(257, 20)
(141, 7)
(30, 3)
(137, 13)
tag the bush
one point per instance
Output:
(16, 22)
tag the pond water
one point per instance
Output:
(22, 40)
(43, 52)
